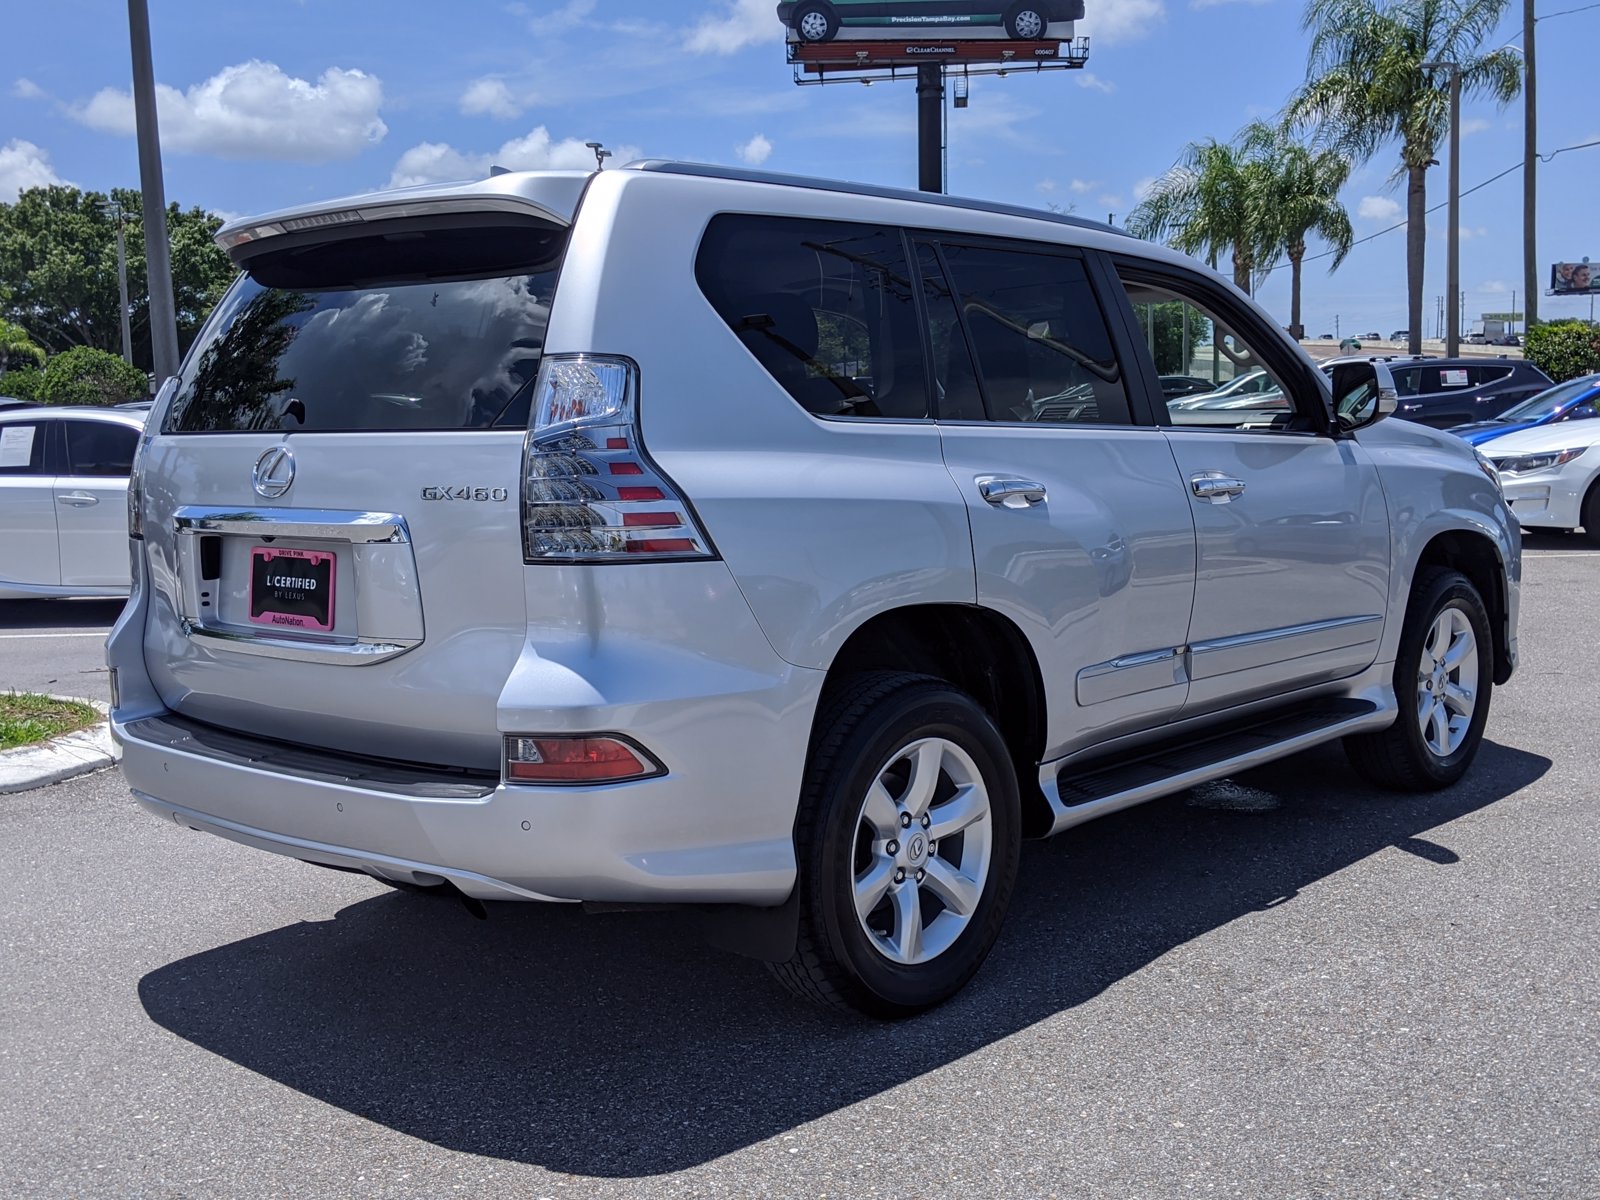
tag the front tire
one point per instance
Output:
(1443, 680)
(1026, 22)
(907, 842)
(815, 22)
(1591, 515)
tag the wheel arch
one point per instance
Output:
(1477, 557)
(977, 650)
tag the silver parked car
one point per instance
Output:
(63, 500)
(677, 535)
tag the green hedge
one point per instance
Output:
(84, 375)
(1564, 349)
(23, 383)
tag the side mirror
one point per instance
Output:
(1363, 394)
(1581, 412)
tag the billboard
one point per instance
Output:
(1574, 279)
(905, 31)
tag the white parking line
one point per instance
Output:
(17, 637)
(1560, 554)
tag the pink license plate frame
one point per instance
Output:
(275, 601)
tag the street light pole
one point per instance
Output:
(122, 291)
(1530, 167)
(157, 246)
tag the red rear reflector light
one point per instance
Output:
(626, 468)
(631, 520)
(616, 443)
(638, 493)
(662, 546)
(575, 760)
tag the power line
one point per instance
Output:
(1517, 166)
(1567, 12)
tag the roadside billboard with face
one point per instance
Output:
(1574, 279)
(811, 22)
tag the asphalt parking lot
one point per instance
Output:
(1294, 987)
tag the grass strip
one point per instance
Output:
(26, 718)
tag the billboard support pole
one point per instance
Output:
(157, 244)
(930, 116)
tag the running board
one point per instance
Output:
(1080, 791)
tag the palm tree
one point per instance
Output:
(16, 346)
(1366, 86)
(1303, 197)
(1210, 204)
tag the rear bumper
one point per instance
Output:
(657, 840)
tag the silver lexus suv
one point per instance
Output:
(786, 549)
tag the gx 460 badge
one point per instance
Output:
(495, 495)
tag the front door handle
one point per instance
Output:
(78, 499)
(1010, 493)
(1216, 487)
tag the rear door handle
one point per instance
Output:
(1216, 487)
(1010, 493)
(78, 499)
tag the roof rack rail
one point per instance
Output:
(708, 171)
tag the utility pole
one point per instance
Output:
(930, 121)
(122, 285)
(157, 245)
(1530, 168)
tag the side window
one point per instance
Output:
(1407, 382)
(22, 447)
(1453, 379)
(827, 307)
(100, 448)
(1037, 335)
(1493, 374)
(1187, 338)
(954, 380)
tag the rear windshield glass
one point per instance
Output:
(412, 329)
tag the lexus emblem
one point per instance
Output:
(274, 473)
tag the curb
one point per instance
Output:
(62, 758)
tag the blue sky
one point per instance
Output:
(279, 102)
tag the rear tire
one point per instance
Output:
(907, 841)
(1443, 680)
(1026, 22)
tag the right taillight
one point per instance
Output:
(589, 491)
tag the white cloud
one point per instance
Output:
(436, 162)
(739, 24)
(1474, 125)
(1081, 186)
(27, 89)
(1142, 186)
(253, 110)
(1494, 287)
(756, 151)
(1121, 22)
(1377, 208)
(1110, 203)
(1088, 79)
(491, 97)
(1045, 185)
(569, 16)
(24, 165)
(1468, 232)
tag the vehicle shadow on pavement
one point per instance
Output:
(614, 1046)
(1555, 539)
(59, 614)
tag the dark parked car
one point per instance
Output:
(1444, 392)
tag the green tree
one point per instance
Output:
(1366, 86)
(1211, 204)
(17, 348)
(23, 383)
(1564, 349)
(58, 261)
(1303, 187)
(84, 375)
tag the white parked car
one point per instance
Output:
(1551, 475)
(682, 535)
(64, 500)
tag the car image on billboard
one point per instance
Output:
(814, 21)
